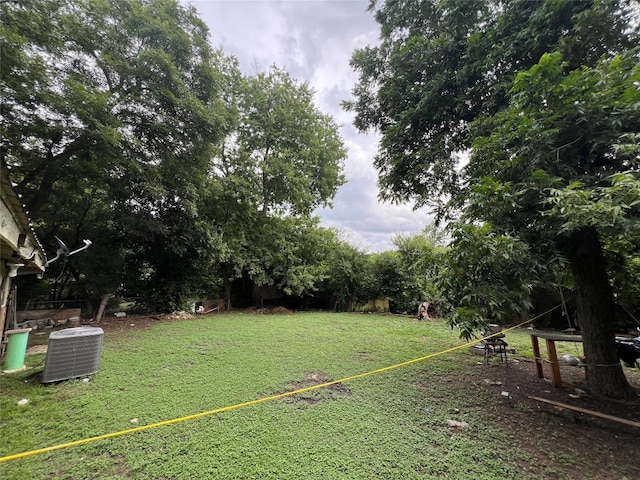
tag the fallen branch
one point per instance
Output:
(588, 412)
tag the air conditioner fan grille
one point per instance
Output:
(73, 353)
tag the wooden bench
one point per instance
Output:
(551, 339)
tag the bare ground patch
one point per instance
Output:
(558, 441)
(268, 310)
(311, 397)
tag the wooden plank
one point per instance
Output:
(553, 360)
(558, 337)
(536, 356)
(53, 313)
(593, 413)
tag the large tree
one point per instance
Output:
(442, 63)
(279, 159)
(547, 170)
(536, 90)
(109, 112)
(295, 151)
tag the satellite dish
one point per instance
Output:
(64, 252)
(62, 248)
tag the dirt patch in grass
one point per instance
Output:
(38, 340)
(140, 322)
(268, 310)
(563, 443)
(136, 322)
(36, 349)
(310, 397)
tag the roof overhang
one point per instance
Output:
(18, 242)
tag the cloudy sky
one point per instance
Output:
(314, 40)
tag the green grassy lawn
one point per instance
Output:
(387, 425)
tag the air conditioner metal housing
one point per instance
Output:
(72, 353)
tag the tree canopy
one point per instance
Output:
(124, 126)
(544, 95)
(109, 110)
(441, 64)
(279, 159)
(295, 151)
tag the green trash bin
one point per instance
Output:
(16, 349)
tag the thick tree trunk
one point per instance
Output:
(104, 299)
(594, 301)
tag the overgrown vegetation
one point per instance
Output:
(123, 125)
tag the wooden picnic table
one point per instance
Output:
(551, 338)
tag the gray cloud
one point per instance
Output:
(314, 41)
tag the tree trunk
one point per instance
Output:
(265, 193)
(595, 305)
(227, 292)
(104, 299)
(52, 171)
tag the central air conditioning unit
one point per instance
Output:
(73, 353)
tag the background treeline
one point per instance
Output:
(122, 125)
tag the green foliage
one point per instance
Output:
(532, 170)
(441, 64)
(498, 285)
(288, 252)
(296, 152)
(125, 127)
(279, 159)
(408, 275)
(349, 273)
(536, 175)
(108, 115)
(386, 271)
(283, 250)
(421, 262)
(612, 208)
(545, 94)
(623, 258)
